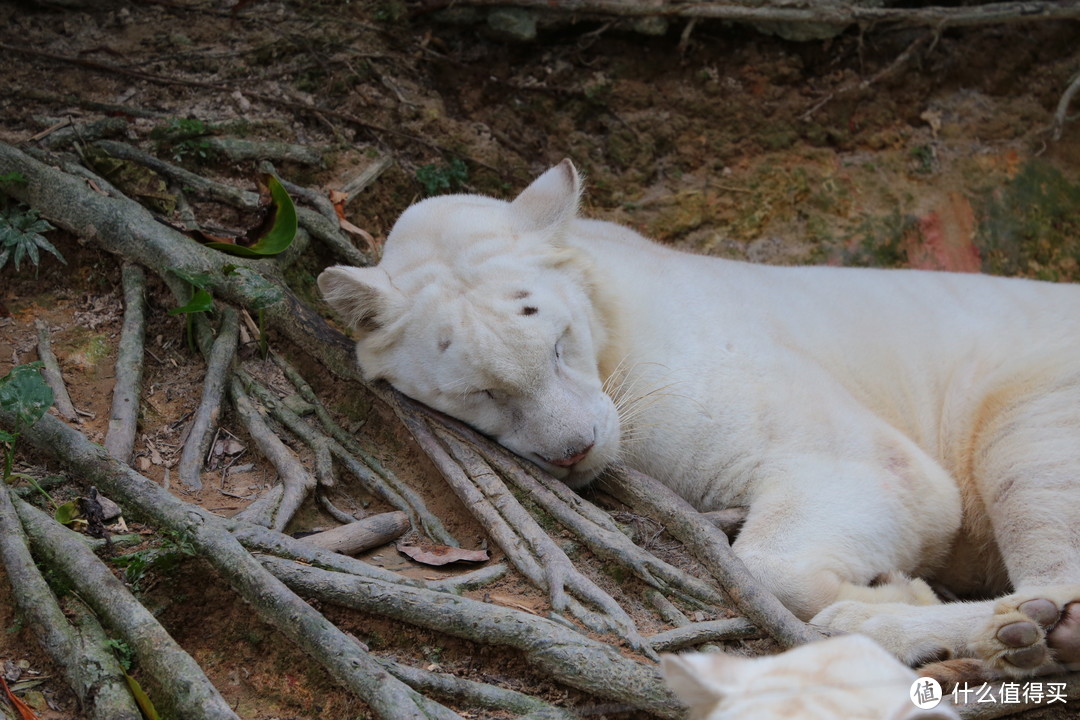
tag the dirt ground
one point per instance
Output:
(891, 148)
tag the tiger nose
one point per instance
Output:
(573, 459)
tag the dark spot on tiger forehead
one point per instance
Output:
(520, 295)
(443, 344)
(529, 310)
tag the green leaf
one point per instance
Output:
(141, 698)
(281, 233)
(20, 235)
(5, 436)
(199, 280)
(201, 301)
(67, 513)
(24, 392)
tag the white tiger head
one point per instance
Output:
(480, 310)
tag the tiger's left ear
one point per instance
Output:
(549, 202)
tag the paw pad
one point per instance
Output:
(1019, 634)
(1041, 611)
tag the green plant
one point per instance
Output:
(441, 178)
(201, 301)
(24, 394)
(923, 155)
(166, 556)
(185, 137)
(20, 236)
(123, 652)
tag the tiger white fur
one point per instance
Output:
(847, 677)
(885, 428)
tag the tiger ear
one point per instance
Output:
(701, 680)
(361, 296)
(549, 202)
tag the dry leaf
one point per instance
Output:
(441, 554)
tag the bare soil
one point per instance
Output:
(733, 143)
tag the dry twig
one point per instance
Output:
(1062, 112)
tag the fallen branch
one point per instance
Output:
(124, 417)
(356, 537)
(703, 632)
(53, 376)
(80, 651)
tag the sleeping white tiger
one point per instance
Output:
(884, 428)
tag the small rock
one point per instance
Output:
(109, 509)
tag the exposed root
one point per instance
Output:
(123, 419)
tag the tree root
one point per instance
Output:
(276, 508)
(710, 547)
(178, 676)
(831, 13)
(320, 227)
(53, 376)
(526, 545)
(123, 419)
(201, 431)
(564, 654)
(80, 650)
(473, 693)
(383, 485)
(340, 654)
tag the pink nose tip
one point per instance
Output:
(571, 460)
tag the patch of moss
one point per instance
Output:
(1031, 226)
